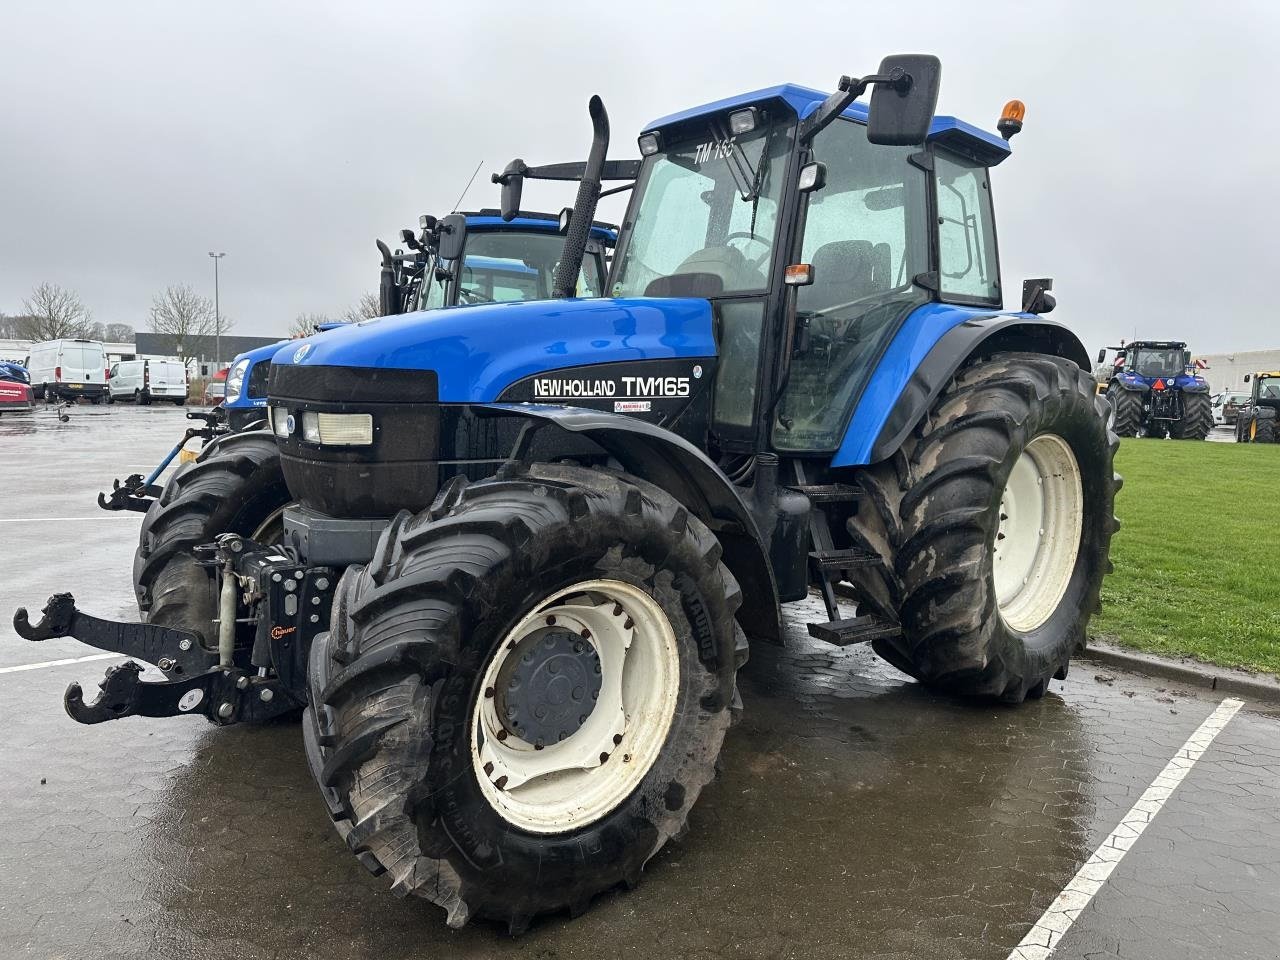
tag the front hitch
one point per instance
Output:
(195, 683)
(136, 492)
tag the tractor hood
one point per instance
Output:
(479, 349)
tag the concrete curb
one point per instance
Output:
(1190, 672)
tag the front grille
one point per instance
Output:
(353, 384)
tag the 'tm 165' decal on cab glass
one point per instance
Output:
(626, 388)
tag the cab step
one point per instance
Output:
(843, 559)
(864, 629)
(829, 492)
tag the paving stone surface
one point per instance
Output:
(858, 815)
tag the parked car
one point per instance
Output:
(1226, 407)
(68, 369)
(143, 381)
(15, 393)
(216, 389)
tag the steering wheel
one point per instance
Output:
(756, 264)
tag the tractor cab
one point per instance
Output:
(823, 245)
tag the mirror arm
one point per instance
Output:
(848, 90)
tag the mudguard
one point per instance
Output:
(677, 466)
(1024, 332)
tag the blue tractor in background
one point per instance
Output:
(504, 261)
(509, 557)
(1153, 389)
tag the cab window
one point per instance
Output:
(966, 231)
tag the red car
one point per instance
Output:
(14, 396)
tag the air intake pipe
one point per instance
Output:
(565, 281)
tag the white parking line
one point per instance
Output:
(108, 516)
(1043, 938)
(59, 663)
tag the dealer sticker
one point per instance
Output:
(632, 406)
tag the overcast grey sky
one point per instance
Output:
(139, 136)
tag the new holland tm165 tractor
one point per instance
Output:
(525, 547)
(1153, 390)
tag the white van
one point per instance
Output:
(68, 368)
(145, 380)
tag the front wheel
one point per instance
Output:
(525, 691)
(994, 522)
(1262, 427)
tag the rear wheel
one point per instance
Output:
(1125, 411)
(525, 691)
(234, 486)
(1262, 428)
(995, 521)
(1197, 418)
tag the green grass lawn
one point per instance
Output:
(1198, 556)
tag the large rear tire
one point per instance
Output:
(1125, 411)
(234, 486)
(1262, 428)
(418, 745)
(994, 521)
(1197, 418)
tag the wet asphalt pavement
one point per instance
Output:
(858, 815)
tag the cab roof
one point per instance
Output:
(986, 148)
(489, 219)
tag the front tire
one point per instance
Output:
(234, 486)
(1262, 428)
(410, 689)
(994, 522)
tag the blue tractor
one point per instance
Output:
(524, 548)
(1153, 389)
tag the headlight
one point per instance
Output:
(281, 422)
(338, 429)
(235, 380)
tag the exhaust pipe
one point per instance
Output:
(565, 281)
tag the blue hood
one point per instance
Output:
(478, 350)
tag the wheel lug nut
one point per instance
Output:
(502, 734)
(551, 621)
(586, 634)
(489, 693)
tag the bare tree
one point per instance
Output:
(182, 313)
(119, 332)
(366, 308)
(52, 313)
(304, 324)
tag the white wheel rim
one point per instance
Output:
(1038, 539)
(568, 784)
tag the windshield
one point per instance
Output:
(690, 219)
(1269, 388)
(1157, 361)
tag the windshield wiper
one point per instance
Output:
(744, 174)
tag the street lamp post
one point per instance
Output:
(217, 314)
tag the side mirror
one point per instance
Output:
(902, 106)
(512, 180)
(1036, 297)
(453, 236)
(1102, 355)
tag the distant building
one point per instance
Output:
(202, 350)
(1226, 370)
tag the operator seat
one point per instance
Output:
(847, 270)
